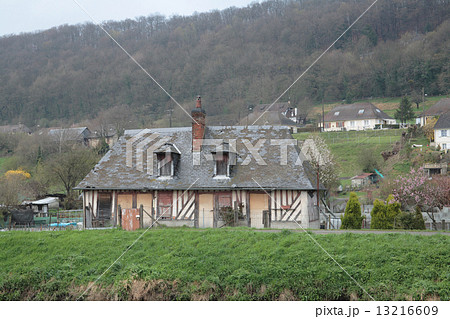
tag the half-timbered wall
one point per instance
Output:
(291, 208)
(288, 208)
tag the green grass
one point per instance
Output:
(347, 147)
(2, 160)
(226, 264)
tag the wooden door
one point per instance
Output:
(164, 205)
(259, 202)
(146, 200)
(206, 211)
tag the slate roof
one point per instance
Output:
(19, 128)
(443, 122)
(70, 134)
(439, 108)
(350, 112)
(112, 171)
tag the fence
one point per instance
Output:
(56, 220)
(366, 137)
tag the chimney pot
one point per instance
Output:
(199, 102)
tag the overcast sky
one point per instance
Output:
(18, 16)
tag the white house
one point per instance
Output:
(355, 117)
(442, 131)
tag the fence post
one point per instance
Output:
(119, 213)
(141, 216)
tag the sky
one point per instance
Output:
(17, 16)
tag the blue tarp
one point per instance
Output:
(62, 224)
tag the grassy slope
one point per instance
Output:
(2, 160)
(223, 264)
(347, 147)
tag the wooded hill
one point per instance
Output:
(233, 58)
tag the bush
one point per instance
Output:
(389, 215)
(408, 220)
(384, 215)
(352, 218)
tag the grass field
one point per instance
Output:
(347, 147)
(222, 264)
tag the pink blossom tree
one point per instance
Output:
(416, 189)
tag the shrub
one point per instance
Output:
(352, 218)
(408, 220)
(384, 215)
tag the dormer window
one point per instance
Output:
(336, 113)
(224, 158)
(168, 157)
(361, 111)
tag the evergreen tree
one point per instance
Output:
(405, 112)
(352, 218)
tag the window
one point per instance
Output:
(104, 206)
(361, 111)
(221, 164)
(444, 146)
(366, 122)
(165, 164)
(443, 133)
(352, 123)
(336, 113)
(168, 157)
(378, 111)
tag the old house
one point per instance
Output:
(274, 114)
(14, 129)
(442, 131)
(70, 135)
(356, 117)
(364, 179)
(441, 107)
(109, 134)
(194, 175)
(42, 206)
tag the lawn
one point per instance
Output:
(347, 147)
(222, 264)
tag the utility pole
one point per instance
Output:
(170, 111)
(323, 117)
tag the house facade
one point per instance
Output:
(441, 107)
(195, 175)
(442, 132)
(355, 117)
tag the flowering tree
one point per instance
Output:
(417, 190)
(13, 187)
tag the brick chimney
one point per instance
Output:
(198, 126)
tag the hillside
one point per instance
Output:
(233, 58)
(221, 264)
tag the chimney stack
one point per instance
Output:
(198, 125)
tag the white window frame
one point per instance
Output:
(443, 133)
